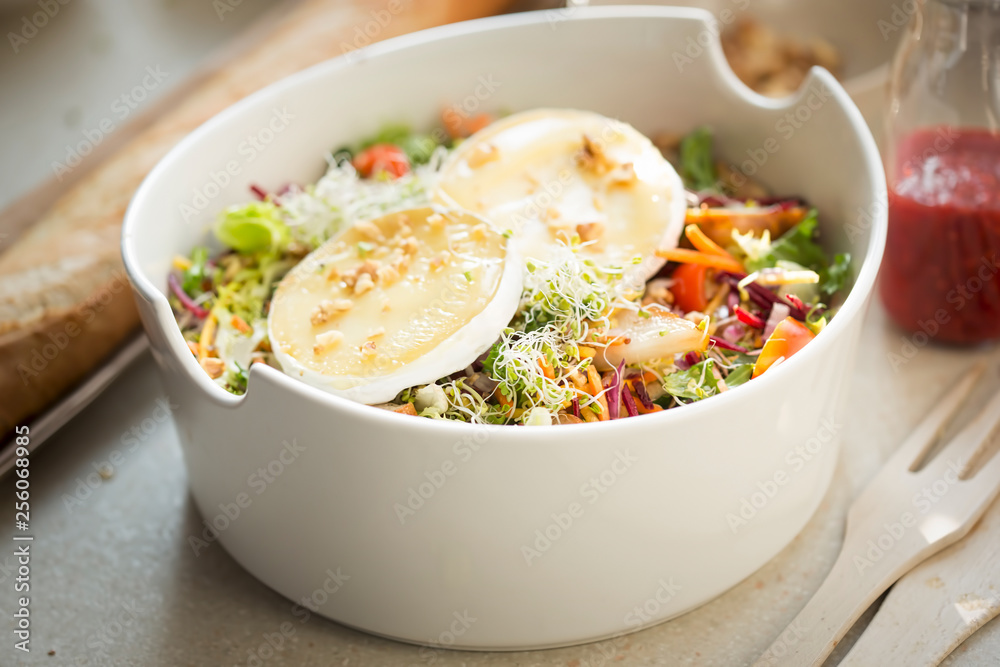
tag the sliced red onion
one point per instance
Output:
(182, 296)
(778, 313)
(733, 332)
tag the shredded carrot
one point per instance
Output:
(638, 404)
(505, 402)
(701, 241)
(241, 325)
(193, 346)
(587, 352)
(207, 336)
(547, 369)
(685, 256)
(597, 390)
(181, 263)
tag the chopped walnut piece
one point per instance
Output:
(350, 277)
(370, 230)
(410, 245)
(369, 266)
(364, 284)
(483, 154)
(593, 158)
(387, 275)
(438, 261)
(368, 350)
(590, 231)
(332, 274)
(435, 220)
(478, 232)
(213, 366)
(326, 340)
(326, 309)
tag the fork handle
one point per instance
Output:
(853, 584)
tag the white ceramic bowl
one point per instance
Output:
(864, 32)
(640, 514)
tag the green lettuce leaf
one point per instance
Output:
(253, 227)
(697, 163)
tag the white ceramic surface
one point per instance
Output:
(654, 538)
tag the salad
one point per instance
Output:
(628, 278)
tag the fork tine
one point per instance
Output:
(972, 442)
(918, 444)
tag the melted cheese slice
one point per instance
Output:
(395, 302)
(555, 174)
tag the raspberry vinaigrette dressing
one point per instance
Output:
(940, 274)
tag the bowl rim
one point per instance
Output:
(852, 307)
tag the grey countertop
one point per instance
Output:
(114, 580)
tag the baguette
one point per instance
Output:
(65, 304)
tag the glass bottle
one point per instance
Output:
(940, 274)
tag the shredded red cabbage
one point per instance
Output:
(762, 296)
(642, 394)
(258, 191)
(629, 402)
(576, 406)
(182, 296)
(726, 345)
(614, 393)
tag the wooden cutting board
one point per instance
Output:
(64, 302)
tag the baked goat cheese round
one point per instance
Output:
(552, 175)
(395, 302)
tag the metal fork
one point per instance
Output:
(906, 514)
